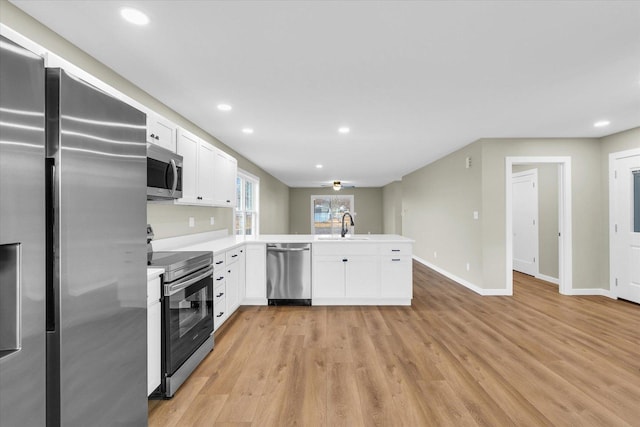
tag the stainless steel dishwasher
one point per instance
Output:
(289, 273)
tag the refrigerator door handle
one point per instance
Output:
(175, 176)
(10, 307)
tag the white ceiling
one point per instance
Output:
(413, 80)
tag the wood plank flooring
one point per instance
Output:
(453, 358)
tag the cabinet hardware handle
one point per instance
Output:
(233, 256)
(395, 259)
(395, 250)
(228, 201)
(219, 262)
(229, 271)
(220, 315)
(220, 294)
(157, 137)
(344, 260)
(152, 136)
(220, 278)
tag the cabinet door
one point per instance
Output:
(328, 277)
(397, 277)
(242, 274)
(233, 280)
(161, 132)
(363, 276)
(188, 147)
(206, 167)
(153, 346)
(256, 274)
(224, 178)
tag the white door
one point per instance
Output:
(625, 260)
(525, 222)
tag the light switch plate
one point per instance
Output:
(212, 221)
(192, 221)
(475, 215)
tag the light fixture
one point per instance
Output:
(344, 130)
(337, 185)
(248, 131)
(601, 123)
(134, 16)
(318, 166)
(224, 107)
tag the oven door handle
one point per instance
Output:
(177, 287)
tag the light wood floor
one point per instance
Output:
(452, 358)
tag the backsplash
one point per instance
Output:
(170, 220)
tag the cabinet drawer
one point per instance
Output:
(219, 313)
(395, 249)
(232, 255)
(219, 294)
(219, 262)
(345, 248)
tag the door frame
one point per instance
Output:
(565, 250)
(534, 173)
(612, 161)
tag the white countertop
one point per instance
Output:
(206, 242)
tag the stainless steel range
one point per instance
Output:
(187, 313)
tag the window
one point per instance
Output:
(327, 211)
(247, 203)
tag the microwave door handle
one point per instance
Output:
(175, 176)
(177, 287)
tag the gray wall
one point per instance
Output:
(367, 201)
(547, 216)
(168, 220)
(392, 208)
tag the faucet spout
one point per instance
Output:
(345, 229)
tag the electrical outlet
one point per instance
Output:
(212, 221)
(468, 266)
(192, 221)
(435, 254)
(475, 215)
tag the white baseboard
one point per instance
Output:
(549, 279)
(361, 301)
(593, 292)
(475, 288)
(254, 301)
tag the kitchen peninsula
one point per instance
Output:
(369, 269)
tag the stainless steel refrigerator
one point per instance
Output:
(72, 250)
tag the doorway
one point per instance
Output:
(624, 218)
(565, 273)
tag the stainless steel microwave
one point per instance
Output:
(164, 173)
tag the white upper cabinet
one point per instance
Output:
(161, 131)
(208, 174)
(224, 178)
(197, 169)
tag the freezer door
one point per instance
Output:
(22, 237)
(100, 244)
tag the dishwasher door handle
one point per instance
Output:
(274, 249)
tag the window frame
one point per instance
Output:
(240, 210)
(331, 197)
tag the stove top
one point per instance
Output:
(178, 264)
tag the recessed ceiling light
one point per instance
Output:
(224, 107)
(248, 131)
(344, 129)
(134, 16)
(602, 123)
(318, 166)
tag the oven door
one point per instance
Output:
(187, 317)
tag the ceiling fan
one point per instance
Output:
(337, 185)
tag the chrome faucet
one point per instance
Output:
(344, 230)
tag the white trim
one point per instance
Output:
(612, 212)
(475, 288)
(549, 279)
(564, 220)
(593, 292)
(246, 176)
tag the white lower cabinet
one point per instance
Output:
(348, 273)
(228, 283)
(256, 274)
(154, 323)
